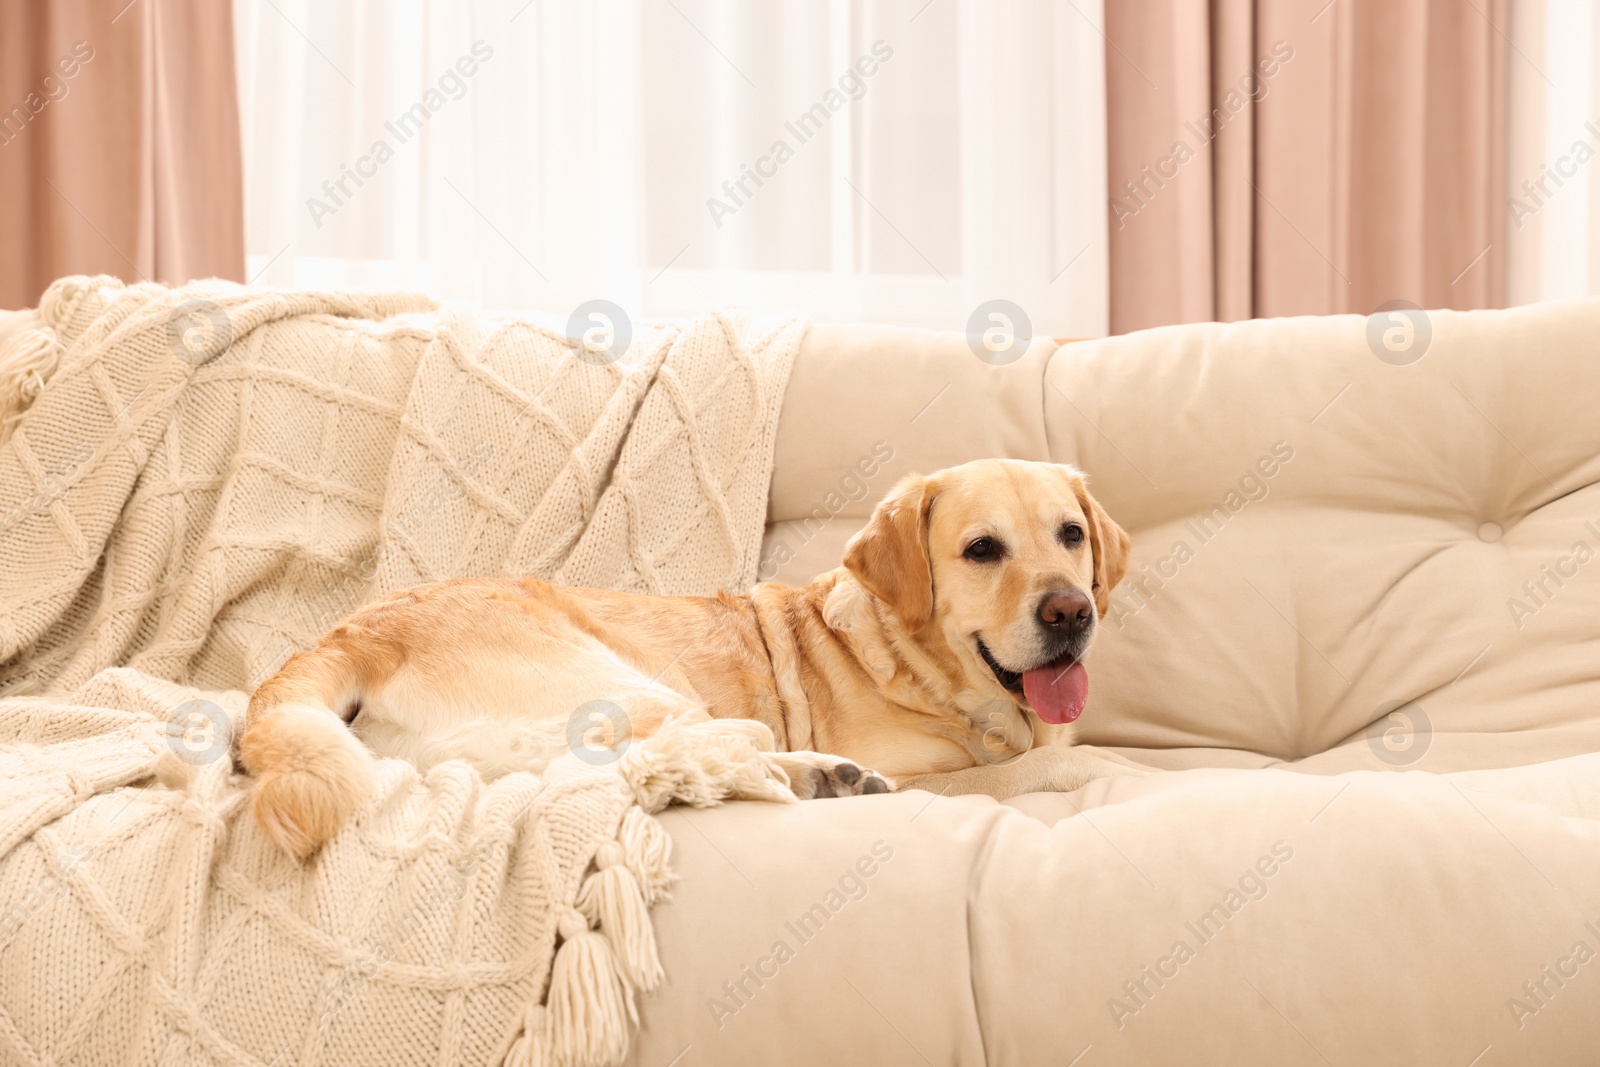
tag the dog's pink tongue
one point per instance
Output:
(1057, 695)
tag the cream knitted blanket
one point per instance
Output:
(200, 481)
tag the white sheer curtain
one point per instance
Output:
(935, 154)
(1553, 205)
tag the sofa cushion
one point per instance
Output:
(1208, 916)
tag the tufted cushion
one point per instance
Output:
(1321, 537)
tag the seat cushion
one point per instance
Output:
(1206, 916)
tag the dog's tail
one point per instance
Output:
(311, 772)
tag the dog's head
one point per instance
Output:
(1008, 564)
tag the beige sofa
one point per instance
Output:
(1361, 628)
(1360, 635)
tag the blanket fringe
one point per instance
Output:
(585, 1021)
(608, 954)
(590, 1002)
(532, 1047)
(608, 948)
(613, 901)
(704, 763)
(32, 355)
(647, 850)
(27, 361)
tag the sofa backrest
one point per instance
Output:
(1379, 536)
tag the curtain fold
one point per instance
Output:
(1284, 157)
(119, 143)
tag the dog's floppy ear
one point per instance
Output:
(1109, 543)
(890, 555)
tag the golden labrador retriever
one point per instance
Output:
(945, 654)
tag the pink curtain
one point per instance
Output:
(1284, 157)
(119, 143)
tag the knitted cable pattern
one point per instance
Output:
(200, 480)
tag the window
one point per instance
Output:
(859, 160)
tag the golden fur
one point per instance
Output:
(872, 665)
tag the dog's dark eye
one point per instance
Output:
(983, 550)
(1071, 534)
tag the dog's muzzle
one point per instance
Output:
(1011, 680)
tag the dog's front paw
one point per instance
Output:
(814, 775)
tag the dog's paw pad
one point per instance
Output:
(816, 775)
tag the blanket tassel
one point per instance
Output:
(612, 899)
(589, 1001)
(647, 850)
(608, 951)
(532, 1047)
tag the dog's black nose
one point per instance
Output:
(1070, 612)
